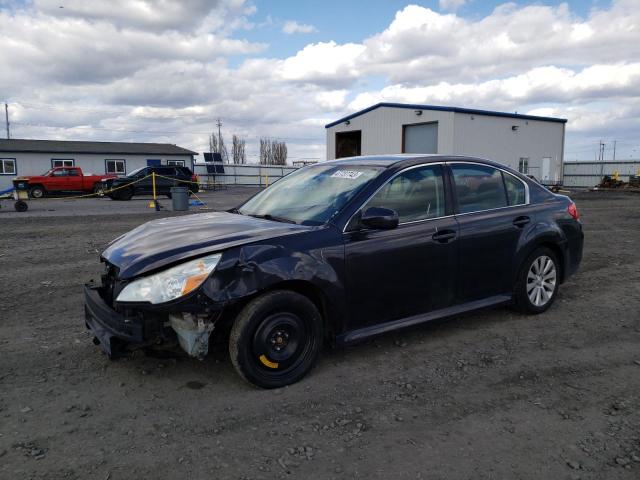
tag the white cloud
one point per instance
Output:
(291, 26)
(452, 5)
(134, 70)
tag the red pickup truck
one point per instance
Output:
(64, 179)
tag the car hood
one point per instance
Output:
(165, 241)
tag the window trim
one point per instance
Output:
(72, 160)
(170, 163)
(444, 184)
(123, 160)
(15, 165)
(526, 189)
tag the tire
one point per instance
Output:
(97, 189)
(37, 191)
(276, 339)
(21, 206)
(538, 282)
(124, 194)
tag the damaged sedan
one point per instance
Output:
(335, 253)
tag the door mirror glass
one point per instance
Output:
(380, 218)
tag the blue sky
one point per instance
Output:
(165, 70)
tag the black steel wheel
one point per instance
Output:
(276, 339)
(21, 206)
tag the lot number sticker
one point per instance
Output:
(350, 174)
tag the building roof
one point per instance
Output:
(446, 109)
(63, 146)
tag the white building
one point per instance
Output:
(35, 157)
(530, 144)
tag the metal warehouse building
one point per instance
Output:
(530, 144)
(34, 157)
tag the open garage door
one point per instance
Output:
(420, 138)
(348, 144)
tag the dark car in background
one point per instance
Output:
(140, 182)
(339, 251)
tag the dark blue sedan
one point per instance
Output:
(336, 252)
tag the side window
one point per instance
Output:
(7, 166)
(61, 173)
(73, 173)
(416, 194)
(478, 187)
(516, 193)
(165, 171)
(115, 166)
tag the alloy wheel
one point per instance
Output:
(541, 280)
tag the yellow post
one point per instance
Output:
(153, 183)
(266, 180)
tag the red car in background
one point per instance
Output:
(64, 179)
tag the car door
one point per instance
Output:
(58, 180)
(408, 270)
(491, 220)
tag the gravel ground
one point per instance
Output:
(493, 395)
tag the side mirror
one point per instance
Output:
(380, 218)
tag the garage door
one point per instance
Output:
(421, 138)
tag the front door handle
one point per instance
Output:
(521, 221)
(444, 236)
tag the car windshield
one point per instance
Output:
(136, 171)
(311, 195)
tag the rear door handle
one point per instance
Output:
(444, 236)
(521, 221)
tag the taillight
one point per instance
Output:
(194, 178)
(573, 211)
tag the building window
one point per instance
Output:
(62, 162)
(523, 165)
(117, 167)
(176, 163)
(7, 166)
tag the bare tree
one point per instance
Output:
(272, 152)
(237, 150)
(216, 145)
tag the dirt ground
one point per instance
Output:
(493, 395)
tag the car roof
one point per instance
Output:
(406, 160)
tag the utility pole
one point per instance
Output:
(6, 118)
(219, 124)
(614, 150)
(601, 161)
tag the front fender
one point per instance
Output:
(315, 258)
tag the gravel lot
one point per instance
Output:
(489, 395)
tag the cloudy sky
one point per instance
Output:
(165, 70)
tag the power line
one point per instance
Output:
(154, 132)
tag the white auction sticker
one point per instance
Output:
(350, 174)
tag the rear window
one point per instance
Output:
(478, 188)
(515, 189)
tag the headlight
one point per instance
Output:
(170, 284)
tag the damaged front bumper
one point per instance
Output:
(119, 333)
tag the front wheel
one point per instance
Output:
(36, 191)
(276, 339)
(538, 282)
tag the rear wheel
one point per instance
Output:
(276, 339)
(37, 191)
(97, 189)
(124, 194)
(538, 282)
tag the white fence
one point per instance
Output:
(589, 174)
(247, 175)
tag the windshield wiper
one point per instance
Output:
(268, 216)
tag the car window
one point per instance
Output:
(478, 187)
(515, 189)
(73, 173)
(167, 171)
(415, 194)
(60, 173)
